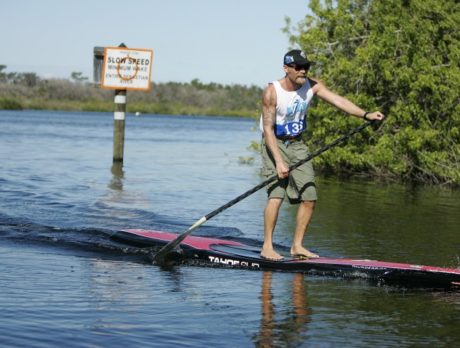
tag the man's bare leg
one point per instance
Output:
(304, 214)
(270, 217)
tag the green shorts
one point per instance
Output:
(300, 185)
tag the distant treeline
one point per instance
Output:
(29, 91)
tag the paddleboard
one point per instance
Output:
(235, 254)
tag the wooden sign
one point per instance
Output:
(127, 68)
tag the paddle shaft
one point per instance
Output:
(158, 257)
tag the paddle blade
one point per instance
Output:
(160, 256)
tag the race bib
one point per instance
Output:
(291, 129)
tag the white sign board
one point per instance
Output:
(127, 68)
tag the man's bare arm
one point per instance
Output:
(269, 120)
(344, 104)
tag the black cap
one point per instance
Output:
(296, 57)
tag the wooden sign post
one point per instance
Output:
(124, 69)
(119, 125)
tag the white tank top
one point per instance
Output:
(291, 110)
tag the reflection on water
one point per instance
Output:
(115, 282)
(117, 176)
(117, 196)
(285, 326)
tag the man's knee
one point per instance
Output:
(274, 202)
(309, 204)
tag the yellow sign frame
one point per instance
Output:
(127, 68)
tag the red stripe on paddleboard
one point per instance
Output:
(193, 241)
(372, 264)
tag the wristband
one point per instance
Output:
(365, 115)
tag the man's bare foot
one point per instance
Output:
(271, 255)
(301, 252)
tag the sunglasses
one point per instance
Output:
(300, 67)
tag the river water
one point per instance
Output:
(64, 281)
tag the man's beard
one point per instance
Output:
(300, 80)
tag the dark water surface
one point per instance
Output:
(64, 282)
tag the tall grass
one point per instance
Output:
(173, 98)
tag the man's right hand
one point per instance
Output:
(282, 169)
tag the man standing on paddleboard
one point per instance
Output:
(284, 108)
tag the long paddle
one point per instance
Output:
(159, 257)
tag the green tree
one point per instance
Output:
(2, 74)
(399, 56)
(78, 76)
(29, 79)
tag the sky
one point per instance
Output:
(221, 41)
